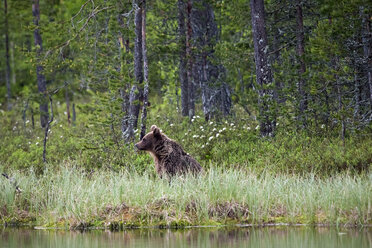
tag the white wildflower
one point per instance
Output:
(232, 124)
(257, 127)
(217, 135)
(65, 113)
(249, 128)
(201, 127)
(220, 131)
(60, 125)
(198, 116)
(277, 123)
(223, 129)
(322, 126)
(210, 138)
(195, 136)
(171, 125)
(37, 143)
(206, 143)
(211, 123)
(61, 137)
(27, 121)
(214, 129)
(202, 146)
(29, 142)
(14, 128)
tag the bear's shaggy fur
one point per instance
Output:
(169, 157)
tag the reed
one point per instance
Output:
(70, 197)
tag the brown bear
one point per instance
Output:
(169, 157)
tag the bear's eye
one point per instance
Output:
(144, 140)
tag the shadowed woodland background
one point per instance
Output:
(271, 85)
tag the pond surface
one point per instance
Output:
(194, 237)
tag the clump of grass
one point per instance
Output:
(70, 197)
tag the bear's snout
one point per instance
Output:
(139, 146)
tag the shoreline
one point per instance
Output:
(120, 225)
(170, 227)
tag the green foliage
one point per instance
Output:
(95, 142)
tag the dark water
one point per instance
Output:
(298, 237)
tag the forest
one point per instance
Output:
(272, 97)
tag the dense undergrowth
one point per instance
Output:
(92, 178)
(94, 143)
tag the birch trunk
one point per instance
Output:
(135, 92)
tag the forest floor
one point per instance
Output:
(71, 198)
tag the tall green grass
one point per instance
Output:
(71, 197)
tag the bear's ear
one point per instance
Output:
(156, 131)
(153, 127)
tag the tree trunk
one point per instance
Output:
(145, 72)
(73, 115)
(208, 76)
(367, 48)
(138, 63)
(67, 98)
(47, 127)
(183, 59)
(279, 98)
(124, 52)
(358, 95)
(7, 57)
(124, 90)
(300, 49)
(189, 56)
(41, 82)
(32, 118)
(13, 81)
(135, 92)
(263, 70)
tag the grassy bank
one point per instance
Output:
(67, 197)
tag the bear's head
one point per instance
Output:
(149, 140)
